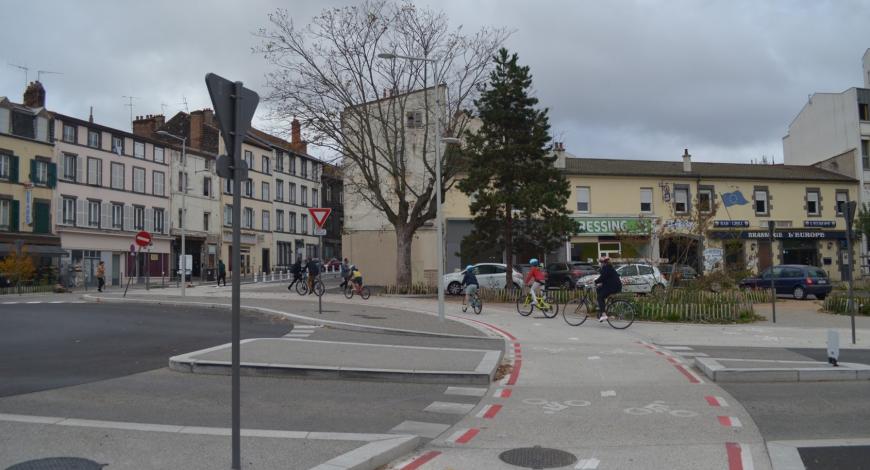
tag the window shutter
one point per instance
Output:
(32, 170)
(13, 216)
(80, 174)
(13, 169)
(149, 220)
(81, 214)
(52, 175)
(105, 215)
(128, 218)
(59, 211)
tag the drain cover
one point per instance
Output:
(537, 457)
(369, 317)
(58, 463)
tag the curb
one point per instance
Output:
(372, 455)
(300, 318)
(800, 371)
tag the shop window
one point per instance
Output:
(863, 112)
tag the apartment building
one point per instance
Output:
(28, 177)
(333, 198)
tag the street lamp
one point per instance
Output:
(439, 221)
(183, 261)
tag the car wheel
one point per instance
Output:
(454, 288)
(799, 293)
(657, 289)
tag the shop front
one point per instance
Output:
(628, 238)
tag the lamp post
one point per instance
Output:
(183, 261)
(439, 221)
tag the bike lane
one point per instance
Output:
(603, 396)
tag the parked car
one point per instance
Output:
(637, 278)
(799, 280)
(333, 264)
(490, 275)
(684, 274)
(565, 275)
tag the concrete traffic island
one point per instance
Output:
(754, 370)
(286, 357)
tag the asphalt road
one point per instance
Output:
(46, 346)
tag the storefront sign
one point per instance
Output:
(783, 234)
(731, 223)
(712, 258)
(246, 239)
(612, 225)
(820, 223)
(679, 224)
(28, 207)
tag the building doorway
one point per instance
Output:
(800, 252)
(764, 250)
(41, 217)
(116, 269)
(266, 260)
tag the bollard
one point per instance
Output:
(273, 276)
(255, 276)
(263, 277)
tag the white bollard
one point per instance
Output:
(255, 277)
(263, 276)
(273, 276)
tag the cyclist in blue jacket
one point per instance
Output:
(469, 281)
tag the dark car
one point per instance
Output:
(565, 274)
(799, 280)
(684, 274)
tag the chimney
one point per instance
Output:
(197, 118)
(687, 161)
(208, 117)
(34, 95)
(91, 116)
(559, 150)
(146, 126)
(296, 141)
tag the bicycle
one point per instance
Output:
(475, 303)
(319, 288)
(620, 312)
(363, 291)
(546, 304)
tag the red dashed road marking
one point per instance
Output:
(692, 377)
(503, 393)
(489, 411)
(463, 436)
(515, 373)
(730, 421)
(657, 352)
(421, 460)
(738, 457)
(716, 401)
(503, 332)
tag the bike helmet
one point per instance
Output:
(469, 268)
(534, 262)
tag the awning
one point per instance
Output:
(44, 250)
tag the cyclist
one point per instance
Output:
(313, 268)
(606, 284)
(356, 278)
(469, 280)
(296, 269)
(535, 279)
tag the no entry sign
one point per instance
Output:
(143, 238)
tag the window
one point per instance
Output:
(292, 160)
(279, 162)
(414, 119)
(314, 200)
(69, 211)
(24, 124)
(266, 166)
(264, 191)
(304, 223)
(94, 213)
(138, 218)
(266, 225)
(139, 149)
(248, 219)
(138, 180)
(291, 222)
(95, 171)
(865, 154)
(5, 215)
(813, 202)
(249, 159)
(646, 195)
(182, 182)
(645, 270)
(117, 176)
(681, 200)
(158, 220)
(117, 216)
(158, 155)
(583, 200)
(228, 186)
(761, 201)
(304, 195)
(327, 193)
(158, 183)
(228, 215)
(279, 221)
(117, 145)
(206, 186)
(69, 166)
(705, 201)
(93, 138)
(39, 173)
(279, 190)
(304, 168)
(249, 188)
(291, 196)
(205, 220)
(863, 112)
(5, 166)
(842, 199)
(180, 218)
(69, 133)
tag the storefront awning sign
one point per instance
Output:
(783, 234)
(612, 225)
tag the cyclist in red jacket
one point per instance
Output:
(535, 279)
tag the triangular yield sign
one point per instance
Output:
(319, 214)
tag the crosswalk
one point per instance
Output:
(302, 331)
(684, 351)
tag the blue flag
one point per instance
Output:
(733, 199)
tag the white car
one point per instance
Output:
(489, 275)
(638, 278)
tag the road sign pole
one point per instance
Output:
(770, 226)
(849, 212)
(320, 297)
(237, 263)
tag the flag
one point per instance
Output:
(734, 199)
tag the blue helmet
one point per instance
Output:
(469, 268)
(534, 262)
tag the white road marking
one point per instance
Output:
(587, 464)
(678, 348)
(574, 339)
(594, 358)
(608, 393)
(466, 391)
(449, 408)
(9, 303)
(692, 354)
(35, 302)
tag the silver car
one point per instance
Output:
(489, 275)
(638, 278)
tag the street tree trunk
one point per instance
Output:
(509, 248)
(404, 237)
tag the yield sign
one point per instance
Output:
(319, 214)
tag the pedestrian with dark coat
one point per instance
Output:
(296, 269)
(222, 273)
(345, 273)
(608, 283)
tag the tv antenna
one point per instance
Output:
(184, 102)
(26, 69)
(40, 72)
(130, 104)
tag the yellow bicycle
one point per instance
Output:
(546, 304)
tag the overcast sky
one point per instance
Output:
(623, 79)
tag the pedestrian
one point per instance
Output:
(345, 273)
(296, 269)
(101, 276)
(313, 268)
(222, 273)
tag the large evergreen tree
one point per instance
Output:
(519, 198)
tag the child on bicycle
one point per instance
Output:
(356, 278)
(469, 281)
(606, 284)
(535, 279)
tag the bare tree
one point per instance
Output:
(353, 103)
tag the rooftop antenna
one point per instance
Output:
(40, 72)
(184, 102)
(26, 69)
(163, 107)
(130, 104)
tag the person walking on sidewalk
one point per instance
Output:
(222, 273)
(296, 270)
(101, 276)
(313, 268)
(608, 283)
(345, 273)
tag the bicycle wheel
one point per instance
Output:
(620, 314)
(348, 291)
(365, 293)
(302, 287)
(552, 307)
(319, 288)
(578, 315)
(477, 305)
(525, 306)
